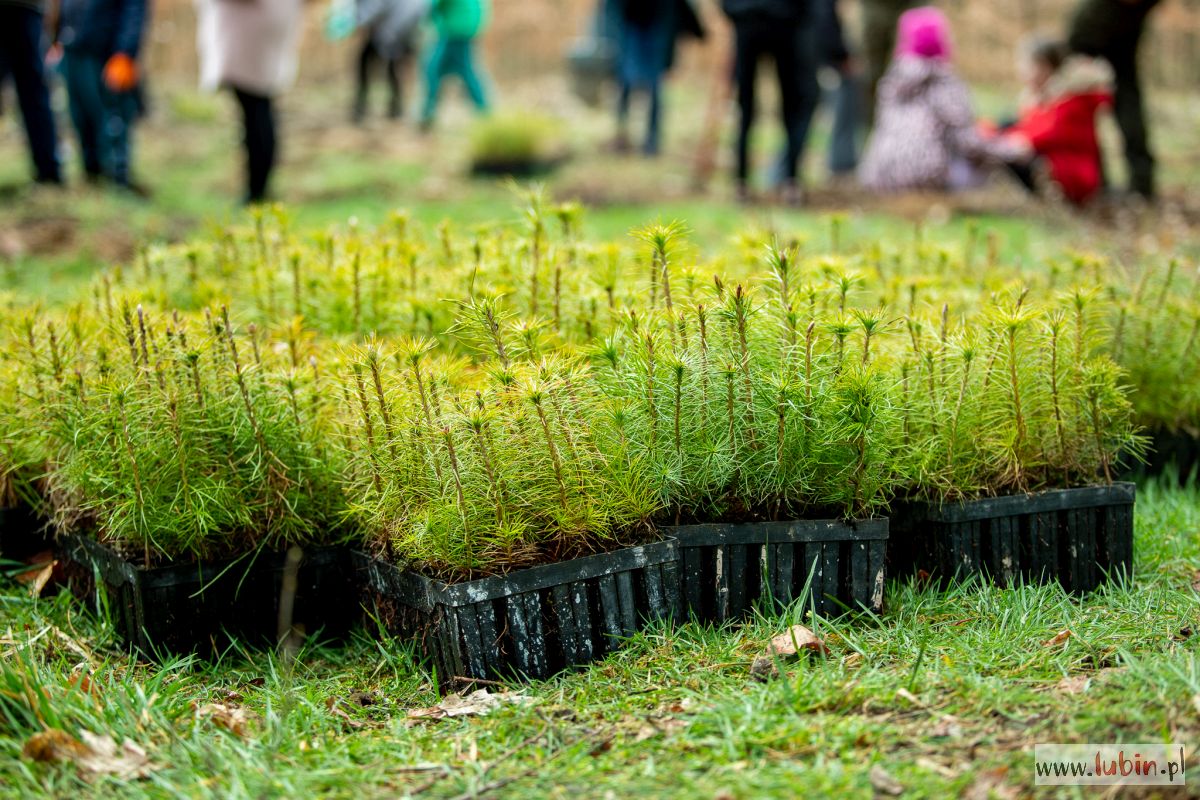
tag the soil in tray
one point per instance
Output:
(205, 607)
(1078, 537)
(533, 622)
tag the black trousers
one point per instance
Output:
(258, 119)
(1112, 29)
(794, 52)
(367, 57)
(21, 57)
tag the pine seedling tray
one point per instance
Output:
(531, 623)
(204, 607)
(1078, 537)
(727, 569)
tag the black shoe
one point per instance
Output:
(138, 190)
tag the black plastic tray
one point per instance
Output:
(22, 533)
(728, 568)
(531, 623)
(1169, 449)
(1077, 537)
(204, 607)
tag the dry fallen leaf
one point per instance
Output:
(935, 767)
(1058, 638)
(990, 785)
(93, 754)
(1073, 684)
(794, 640)
(37, 577)
(1196, 581)
(947, 727)
(477, 703)
(885, 783)
(232, 718)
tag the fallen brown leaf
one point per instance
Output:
(936, 767)
(53, 745)
(1196, 581)
(1073, 684)
(477, 703)
(37, 577)
(794, 640)
(93, 754)
(232, 718)
(1058, 638)
(947, 727)
(885, 783)
(990, 785)
(335, 707)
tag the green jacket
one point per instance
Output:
(460, 19)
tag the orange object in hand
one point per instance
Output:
(120, 73)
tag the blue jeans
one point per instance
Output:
(21, 57)
(103, 119)
(452, 57)
(847, 113)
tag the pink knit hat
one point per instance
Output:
(923, 33)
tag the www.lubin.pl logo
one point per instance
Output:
(1110, 764)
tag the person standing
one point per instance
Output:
(251, 48)
(879, 19)
(648, 31)
(1112, 30)
(390, 29)
(782, 30)
(846, 99)
(21, 55)
(100, 43)
(458, 23)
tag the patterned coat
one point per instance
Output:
(925, 135)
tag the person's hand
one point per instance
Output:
(1019, 146)
(120, 73)
(54, 55)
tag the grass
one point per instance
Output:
(946, 692)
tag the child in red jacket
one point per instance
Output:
(1064, 93)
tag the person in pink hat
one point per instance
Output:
(925, 135)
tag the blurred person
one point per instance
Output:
(458, 23)
(21, 59)
(925, 135)
(647, 33)
(100, 42)
(846, 98)
(251, 47)
(879, 20)
(781, 29)
(390, 29)
(1112, 30)
(1063, 94)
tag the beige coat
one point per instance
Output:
(249, 44)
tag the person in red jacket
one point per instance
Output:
(1064, 94)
